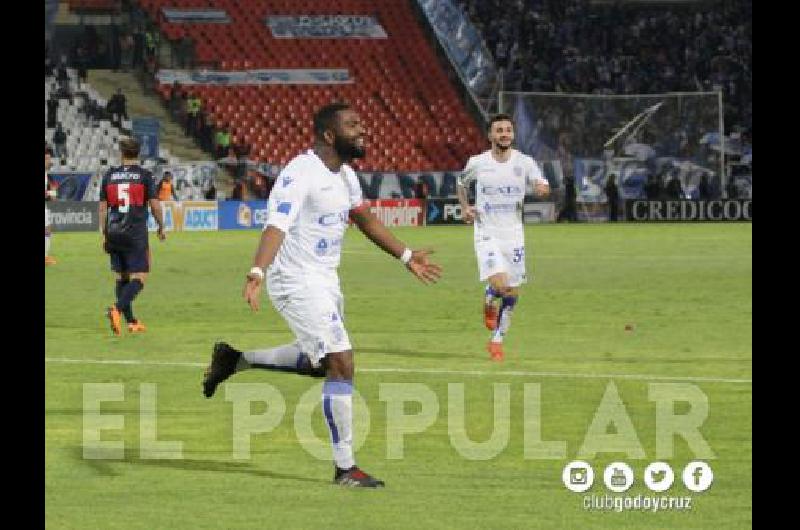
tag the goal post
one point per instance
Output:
(633, 137)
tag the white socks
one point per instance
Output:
(337, 407)
(337, 396)
(504, 318)
(286, 356)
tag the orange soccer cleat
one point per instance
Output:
(136, 327)
(49, 260)
(495, 349)
(114, 320)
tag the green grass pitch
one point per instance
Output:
(685, 289)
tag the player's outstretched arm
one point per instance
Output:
(271, 241)
(415, 260)
(541, 189)
(541, 186)
(464, 181)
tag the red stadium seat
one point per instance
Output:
(401, 88)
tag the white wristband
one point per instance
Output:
(257, 271)
(406, 256)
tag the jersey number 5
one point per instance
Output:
(123, 197)
(519, 254)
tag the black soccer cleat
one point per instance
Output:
(223, 364)
(355, 478)
(304, 367)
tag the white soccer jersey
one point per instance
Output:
(311, 205)
(500, 192)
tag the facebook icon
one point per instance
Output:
(698, 472)
(697, 476)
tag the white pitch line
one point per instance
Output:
(124, 361)
(633, 377)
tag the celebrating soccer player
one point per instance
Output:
(501, 175)
(309, 207)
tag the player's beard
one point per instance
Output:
(348, 150)
(506, 147)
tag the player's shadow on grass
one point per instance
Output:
(106, 467)
(413, 353)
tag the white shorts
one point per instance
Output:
(502, 255)
(316, 319)
(47, 217)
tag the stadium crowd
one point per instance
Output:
(575, 46)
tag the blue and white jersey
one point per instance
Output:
(500, 192)
(311, 205)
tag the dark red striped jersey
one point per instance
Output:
(127, 190)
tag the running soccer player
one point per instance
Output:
(501, 175)
(300, 246)
(125, 193)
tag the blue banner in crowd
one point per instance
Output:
(463, 42)
(145, 131)
(326, 27)
(285, 76)
(242, 215)
(71, 186)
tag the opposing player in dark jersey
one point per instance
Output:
(125, 193)
(49, 195)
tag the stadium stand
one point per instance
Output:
(91, 143)
(623, 48)
(414, 118)
(411, 90)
